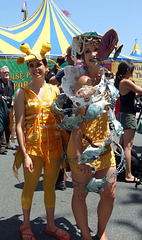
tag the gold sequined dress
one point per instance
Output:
(94, 131)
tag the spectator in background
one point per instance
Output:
(4, 122)
(56, 80)
(6, 92)
(53, 71)
(66, 57)
(109, 74)
(127, 112)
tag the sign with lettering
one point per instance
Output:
(137, 73)
(19, 74)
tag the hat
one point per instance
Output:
(106, 43)
(91, 34)
(24, 47)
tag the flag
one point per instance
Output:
(66, 13)
(24, 6)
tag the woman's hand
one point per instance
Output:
(28, 164)
(85, 168)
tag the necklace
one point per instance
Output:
(95, 80)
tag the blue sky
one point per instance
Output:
(125, 16)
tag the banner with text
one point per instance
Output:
(19, 74)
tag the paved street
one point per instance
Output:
(125, 222)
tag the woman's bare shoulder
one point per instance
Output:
(83, 80)
(126, 83)
(19, 94)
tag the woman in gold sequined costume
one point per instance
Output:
(40, 142)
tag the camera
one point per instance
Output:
(138, 105)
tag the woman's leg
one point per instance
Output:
(31, 181)
(79, 206)
(49, 182)
(128, 144)
(106, 202)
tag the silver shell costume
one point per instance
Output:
(95, 98)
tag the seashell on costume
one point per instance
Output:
(72, 74)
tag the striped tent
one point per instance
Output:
(136, 51)
(47, 24)
(123, 57)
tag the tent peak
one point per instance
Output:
(47, 24)
(136, 51)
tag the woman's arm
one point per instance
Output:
(77, 140)
(127, 85)
(77, 134)
(78, 146)
(20, 128)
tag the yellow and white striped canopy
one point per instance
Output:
(47, 24)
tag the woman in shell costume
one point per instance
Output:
(89, 147)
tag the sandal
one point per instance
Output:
(131, 180)
(64, 235)
(31, 235)
(96, 237)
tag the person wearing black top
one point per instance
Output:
(6, 92)
(127, 114)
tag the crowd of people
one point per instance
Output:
(85, 130)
